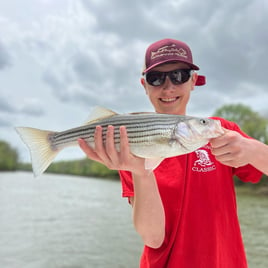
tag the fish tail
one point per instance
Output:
(41, 150)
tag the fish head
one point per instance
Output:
(197, 130)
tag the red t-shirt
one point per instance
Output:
(198, 195)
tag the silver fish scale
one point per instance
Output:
(141, 128)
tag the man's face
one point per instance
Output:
(170, 98)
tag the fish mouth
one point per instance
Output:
(217, 129)
(169, 100)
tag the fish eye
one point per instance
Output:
(203, 121)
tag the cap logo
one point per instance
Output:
(171, 50)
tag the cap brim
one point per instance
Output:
(193, 67)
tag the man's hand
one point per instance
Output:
(231, 149)
(108, 155)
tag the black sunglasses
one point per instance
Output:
(177, 77)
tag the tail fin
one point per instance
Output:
(40, 148)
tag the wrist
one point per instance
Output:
(142, 173)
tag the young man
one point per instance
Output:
(185, 211)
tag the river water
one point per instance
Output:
(71, 222)
(65, 222)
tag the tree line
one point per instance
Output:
(83, 167)
(249, 121)
(8, 157)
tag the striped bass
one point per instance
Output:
(151, 136)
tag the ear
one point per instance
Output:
(143, 81)
(194, 79)
(144, 84)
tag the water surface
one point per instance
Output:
(61, 221)
(72, 222)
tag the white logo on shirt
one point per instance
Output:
(203, 163)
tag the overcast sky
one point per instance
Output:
(60, 58)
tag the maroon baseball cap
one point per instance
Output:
(170, 50)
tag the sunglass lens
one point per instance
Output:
(179, 76)
(155, 78)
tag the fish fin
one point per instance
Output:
(99, 113)
(40, 148)
(152, 163)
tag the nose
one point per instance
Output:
(168, 84)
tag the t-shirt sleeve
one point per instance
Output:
(127, 183)
(246, 173)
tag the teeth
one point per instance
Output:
(169, 99)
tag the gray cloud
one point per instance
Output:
(27, 107)
(233, 46)
(226, 39)
(93, 55)
(6, 106)
(4, 122)
(32, 110)
(5, 57)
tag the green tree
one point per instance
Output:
(8, 157)
(249, 121)
(83, 167)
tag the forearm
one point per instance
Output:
(148, 211)
(259, 156)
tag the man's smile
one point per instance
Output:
(169, 100)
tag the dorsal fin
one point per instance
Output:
(98, 114)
